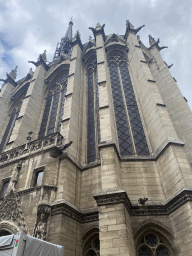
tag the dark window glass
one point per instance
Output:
(144, 251)
(45, 117)
(38, 178)
(52, 107)
(97, 105)
(162, 251)
(134, 116)
(91, 152)
(151, 240)
(4, 233)
(53, 114)
(5, 187)
(91, 253)
(62, 108)
(125, 145)
(10, 127)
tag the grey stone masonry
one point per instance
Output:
(178, 109)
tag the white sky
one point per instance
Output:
(29, 27)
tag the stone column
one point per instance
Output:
(114, 223)
(111, 175)
(72, 113)
(177, 107)
(28, 116)
(107, 127)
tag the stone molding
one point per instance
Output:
(117, 196)
(10, 210)
(54, 141)
(74, 213)
(51, 141)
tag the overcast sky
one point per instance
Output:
(27, 27)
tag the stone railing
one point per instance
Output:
(31, 147)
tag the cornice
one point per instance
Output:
(119, 196)
(73, 212)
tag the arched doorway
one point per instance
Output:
(4, 233)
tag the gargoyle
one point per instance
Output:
(137, 29)
(33, 62)
(142, 200)
(57, 151)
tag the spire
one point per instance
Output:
(65, 45)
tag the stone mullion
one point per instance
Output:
(58, 112)
(127, 114)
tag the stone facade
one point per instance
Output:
(86, 136)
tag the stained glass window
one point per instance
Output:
(5, 187)
(125, 145)
(93, 247)
(54, 107)
(130, 131)
(10, 126)
(134, 116)
(152, 245)
(91, 151)
(93, 120)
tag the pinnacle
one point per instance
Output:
(128, 24)
(151, 40)
(98, 26)
(13, 73)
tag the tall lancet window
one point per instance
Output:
(93, 121)
(130, 130)
(54, 107)
(10, 126)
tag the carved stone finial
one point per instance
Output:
(142, 200)
(151, 40)
(129, 25)
(13, 73)
(98, 26)
(44, 55)
(30, 71)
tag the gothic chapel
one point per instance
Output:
(96, 149)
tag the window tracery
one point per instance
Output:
(93, 121)
(10, 125)
(130, 130)
(54, 107)
(93, 247)
(153, 245)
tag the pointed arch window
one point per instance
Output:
(93, 246)
(54, 107)
(152, 244)
(130, 130)
(93, 121)
(10, 126)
